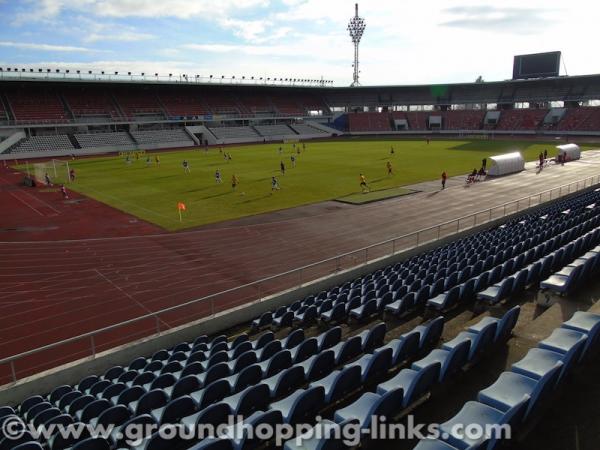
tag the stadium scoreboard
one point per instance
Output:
(536, 65)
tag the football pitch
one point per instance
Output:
(324, 171)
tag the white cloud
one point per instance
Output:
(124, 36)
(47, 47)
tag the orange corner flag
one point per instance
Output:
(181, 206)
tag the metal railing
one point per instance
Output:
(89, 344)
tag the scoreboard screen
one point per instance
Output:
(537, 65)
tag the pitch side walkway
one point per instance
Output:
(52, 290)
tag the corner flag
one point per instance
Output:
(180, 207)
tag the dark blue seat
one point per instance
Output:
(370, 405)
(215, 372)
(269, 350)
(149, 401)
(587, 323)
(240, 349)
(406, 347)
(263, 340)
(497, 292)
(318, 365)
(401, 305)
(214, 392)
(285, 381)
(430, 333)
(293, 339)
(450, 360)
(114, 416)
(242, 435)
(77, 405)
(278, 362)
(174, 411)
(413, 383)
(538, 362)
(251, 399)
(286, 320)
(373, 337)
(365, 310)
(300, 407)
(479, 341)
(98, 387)
(504, 326)
(44, 416)
(445, 300)
(347, 350)
(334, 315)
(58, 392)
(305, 350)
(325, 435)
(340, 383)
(306, 317)
(482, 415)
(510, 388)
(93, 410)
(329, 338)
(242, 361)
(374, 366)
(246, 377)
(213, 415)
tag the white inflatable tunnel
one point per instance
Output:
(570, 151)
(505, 164)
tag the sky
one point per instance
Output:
(405, 42)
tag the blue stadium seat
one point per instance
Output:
(450, 360)
(373, 337)
(281, 360)
(587, 323)
(510, 388)
(270, 349)
(374, 366)
(370, 405)
(305, 350)
(214, 392)
(326, 435)
(300, 406)
(329, 338)
(347, 350)
(293, 339)
(480, 341)
(482, 415)
(406, 347)
(430, 333)
(318, 365)
(285, 381)
(445, 300)
(413, 383)
(251, 399)
(340, 383)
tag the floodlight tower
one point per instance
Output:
(356, 28)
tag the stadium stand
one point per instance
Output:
(273, 130)
(139, 104)
(235, 133)
(521, 119)
(463, 119)
(221, 103)
(371, 121)
(161, 136)
(91, 104)
(417, 120)
(580, 119)
(31, 106)
(182, 105)
(117, 139)
(306, 129)
(44, 143)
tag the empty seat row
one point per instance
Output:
(520, 394)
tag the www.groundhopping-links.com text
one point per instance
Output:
(350, 432)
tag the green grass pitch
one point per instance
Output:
(326, 170)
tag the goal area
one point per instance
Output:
(57, 171)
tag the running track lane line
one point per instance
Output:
(129, 296)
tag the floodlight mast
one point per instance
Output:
(356, 28)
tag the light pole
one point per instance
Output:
(356, 28)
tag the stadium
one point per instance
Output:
(182, 251)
